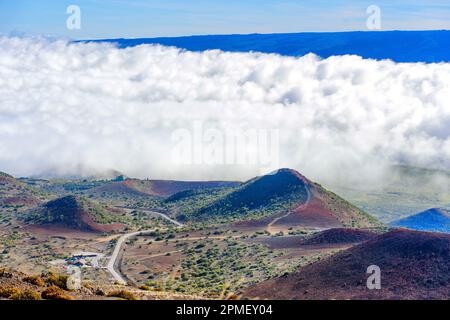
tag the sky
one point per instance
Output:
(153, 18)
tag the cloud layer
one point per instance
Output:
(85, 109)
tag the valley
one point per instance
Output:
(170, 239)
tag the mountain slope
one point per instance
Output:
(339, 235)
(328, 210)
(414, 265)
(16, 193)
(437, 220)
(258, 196)
(158, 188)
(76, 213)
(288, 194)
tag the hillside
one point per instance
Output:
(284, 192)
(77, 213)
(157, 188)
(414, 265)
(437, 220)
(16, 193)
(328, 210)
(259, 196)
(339, 235)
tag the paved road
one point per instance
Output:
(113, 265)
(178, 224)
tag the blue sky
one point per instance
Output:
(151, 18)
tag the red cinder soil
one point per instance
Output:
(159, 188)
(314, 215)
(339, 235)
(328, 238)
(414, 265)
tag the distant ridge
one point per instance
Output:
(159, 188)
(399, 46)
(437, 220)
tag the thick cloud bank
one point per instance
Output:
(69, 109)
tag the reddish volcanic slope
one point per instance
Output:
(327, 210)
(159, 188)
(15, 193)
(315, 214)
(321, 209)
(414, 265)
(339, 235)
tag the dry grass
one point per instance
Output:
(55, 293)
(57, 280)
(14, 293)
(4, 273)
(26, 294)
(36, 280)
(123, 294)
(145, 288)
(8, 292)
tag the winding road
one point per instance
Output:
(114, 262)
(302, 207)
(113, 265)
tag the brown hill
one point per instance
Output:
(294, 201)
(158, 188)
(327, 210)
(414, 265)
(16, 193)
(339, 235)
(77, 213)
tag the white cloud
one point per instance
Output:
(88, 108)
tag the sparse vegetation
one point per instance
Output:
(8, 292)
(14, 293)
(123, 294)
(35, 280)
(145, 288)
(26, 294)
(206, 257)
(55, 293)
(59, 281)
